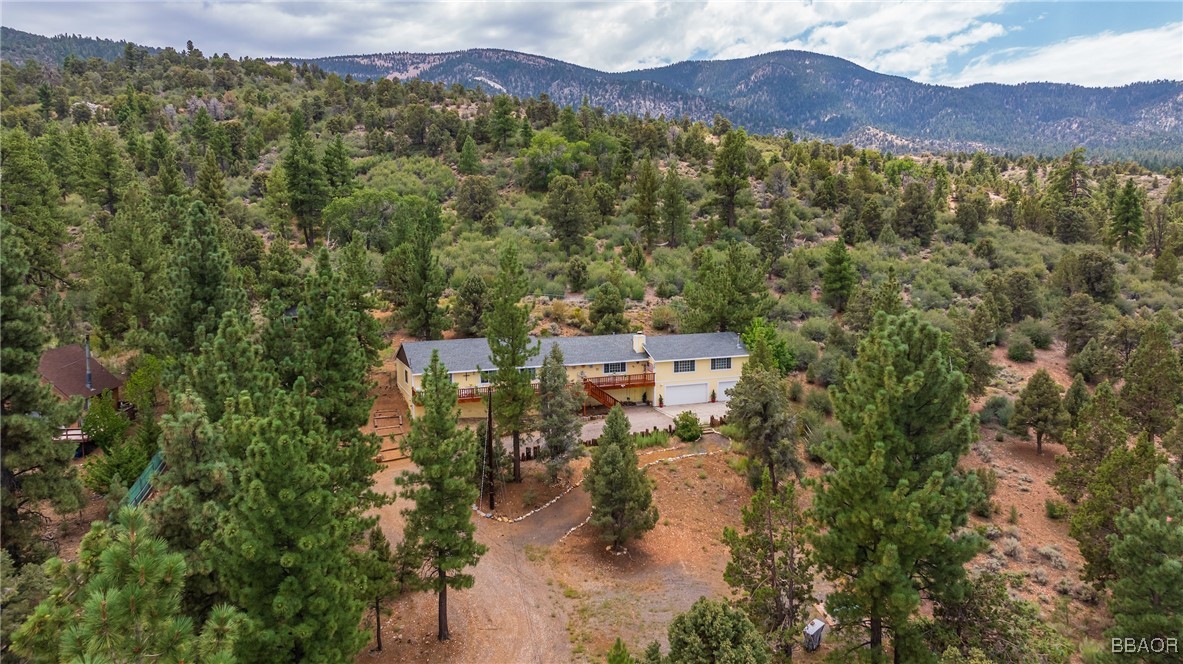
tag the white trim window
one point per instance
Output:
(615, 367)
(720, 363)
(487, 376)
(683, 366)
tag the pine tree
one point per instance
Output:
(1153, 382)
(621, 495)
(510, 348)
(440, 524)
(35, 466)
(338, 168)
(559, 402)
(110, 171)
(607, 310)
(644, 203)
(675, 213)
(127, 266)
(731, 173)
(888, 512)
(29, 202)
(502, 123)
(1116, 485)
(1125, 230)
(380, 571)
(759, 410)
(1099, 429)
(619, 654)
(1079, 321)
(770, 565)
(331, 346)
(714, 631)
(471, 307)
(121, 602)
(229, 363)
(1075, 399)
(476, 198)
(287, 549)
(203, 287)
(1147, 590)
(839, 276)
(193, 491)
(307, 186)
(1166, 266)
(470, 162)
(1039, 407)
(425, 285)
(566, 211)
(760, 331)
(916, 216)
(211, 185)
(726, 292)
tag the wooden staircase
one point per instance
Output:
(599, 394)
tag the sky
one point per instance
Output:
(1090, 43)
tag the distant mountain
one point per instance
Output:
(20, 47)
(827, 97)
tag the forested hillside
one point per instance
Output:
(248, 242)
(815, 95)
(19, 47)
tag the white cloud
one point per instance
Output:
(1103, 59)
(913, 39)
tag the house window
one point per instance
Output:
(406, 377)
(531, 372)
(614, 367)
(487, 377)
(683, 366)
(720, 363)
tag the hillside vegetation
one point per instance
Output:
(244, 240)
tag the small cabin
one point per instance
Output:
(72, 372)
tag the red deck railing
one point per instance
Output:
(622, 380)
(612, 381)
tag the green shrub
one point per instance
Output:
(1020, 349)
(825, 371)
(1056, 509)
(988, 480)
(1039, 332)
(997, 410)
(664, 317)
(814, 329)
(804, 351)
(795, 391)
(819, 402)
(687, 427)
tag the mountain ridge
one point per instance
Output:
(811, 95)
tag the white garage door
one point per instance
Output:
(725, 385)
(676, 395)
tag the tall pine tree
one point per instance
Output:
(1039, 407)
(895, 498)
(644, 205)
(1153, 382)
(510, 348)
(1147, 599)
(675, 213)
(289, 546)
(621, 495)
(559, 402)
(731, 173)
(34, 467)
(759, 409)
(445, 457)
(307, 186)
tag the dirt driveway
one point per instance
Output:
(641, 418)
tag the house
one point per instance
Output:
(72, 372)
(672, 369)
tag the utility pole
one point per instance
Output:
(491, 466)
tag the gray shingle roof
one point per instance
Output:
(465, 355)
(695, 346)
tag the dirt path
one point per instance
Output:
(524, 605)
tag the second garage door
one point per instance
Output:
(725, 385)
(677, 395)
